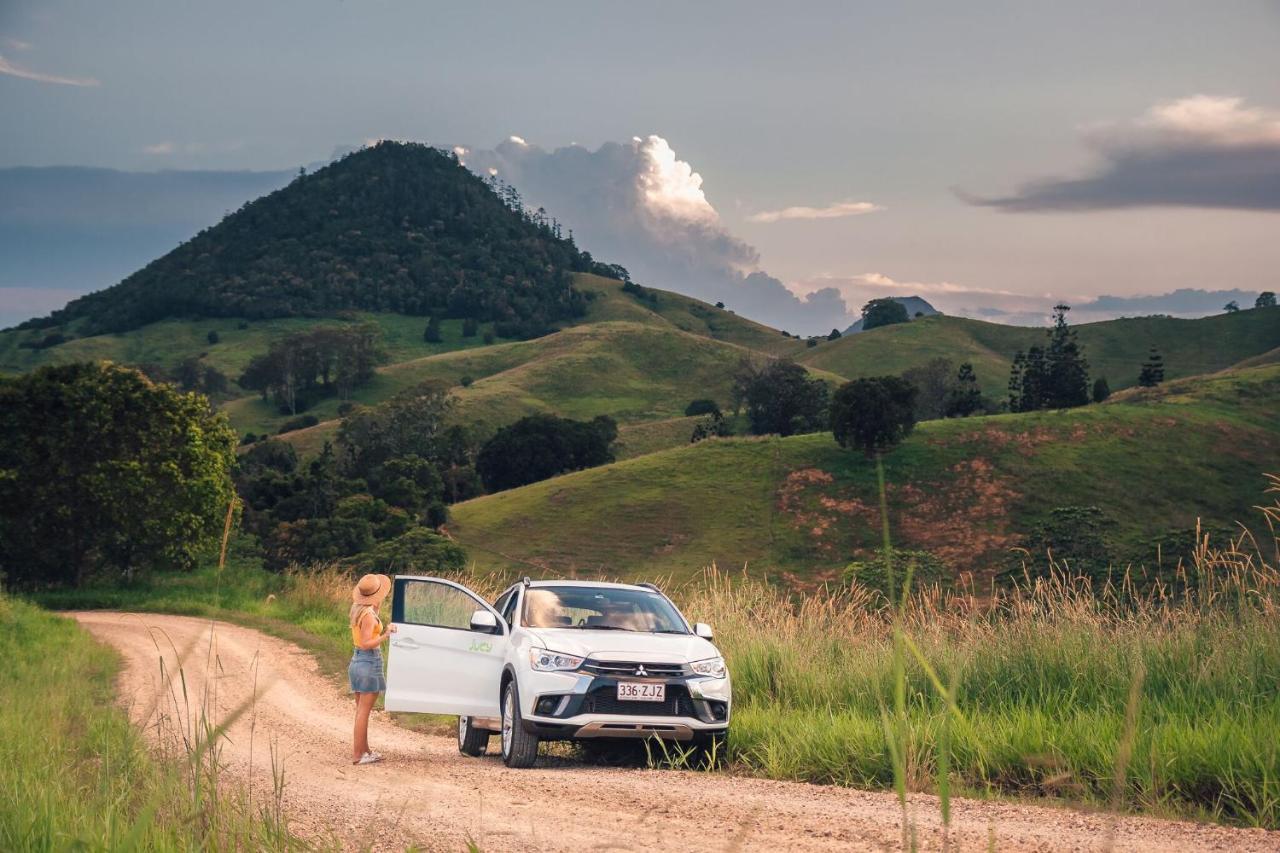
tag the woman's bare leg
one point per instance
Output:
(364, 704)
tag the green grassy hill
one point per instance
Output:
(1115, 348)
(1154, 460)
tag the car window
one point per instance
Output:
(437, 605)
(509, 612)
(601, 608)
(502, 600)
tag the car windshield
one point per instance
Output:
(601, 609)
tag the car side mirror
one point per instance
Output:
(703, 630)
(483, 620)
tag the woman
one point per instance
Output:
(365, 672)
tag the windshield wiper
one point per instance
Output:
(670, 631)
(590, 627)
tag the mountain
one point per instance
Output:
(1153, 461)
(914, 305)
(397, 227)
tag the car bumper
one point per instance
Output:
(564, 706)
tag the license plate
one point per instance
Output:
(636, 691)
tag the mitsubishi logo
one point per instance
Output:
(641, 671)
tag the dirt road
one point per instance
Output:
(427, 794)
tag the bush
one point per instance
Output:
(702, 406)
(873, 572)
(873, 414)
(420, 551)
(466, 381)
(301, 422)
(541, 446)
(213, 336)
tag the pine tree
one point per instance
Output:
(432, 333)
(1015, 381)
(965, 398)
(1101, 389)
(1066, 370)
(1152, 370)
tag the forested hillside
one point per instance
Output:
(397, 227)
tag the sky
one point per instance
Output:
(994, 158)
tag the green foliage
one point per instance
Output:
(935, 383)
(300, 422)
(419, 551)
(1152, 373)
(432, 333)
(213, 337)
(702, 406)
(873, 414)
(409, 424)
(1266, 299)
(834, 335)
(1075, 536)
(965, 397)
(1101, 390)
(883, 312)
(714, 426)
(395, 227)
(304, 366)
(780, 397)
(103, 472)
(470, 327)
(874, 572)
(1053, 377)
(541, 446)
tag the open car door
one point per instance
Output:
(447, 653)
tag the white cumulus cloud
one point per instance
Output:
(7, 67)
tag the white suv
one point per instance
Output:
(556, 660)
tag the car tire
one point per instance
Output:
(709, 751)
(519, 748)
(471, 740)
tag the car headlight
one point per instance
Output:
(545, 661)
(713, 667)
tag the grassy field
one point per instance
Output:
(83, 779)
(1162, 703)
(1115, 348)
(965, 490)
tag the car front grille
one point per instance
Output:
(632, 669)
(604, 700)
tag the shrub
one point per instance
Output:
(419, 551)
(213, 336)
(873, 572)
(702, 406)
(301, 422)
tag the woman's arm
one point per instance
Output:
(368, 639)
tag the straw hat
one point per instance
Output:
(371, 589)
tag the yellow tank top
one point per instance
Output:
(355, 629)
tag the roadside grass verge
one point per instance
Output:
(75, 774)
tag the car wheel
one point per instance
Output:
(471, 741)
(519, 748)
(709, 751)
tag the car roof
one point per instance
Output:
(594, 584)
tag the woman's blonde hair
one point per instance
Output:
(358, 611)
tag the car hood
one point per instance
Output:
(625, 645)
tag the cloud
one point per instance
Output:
(1200, 151)
(17, 44)
(7, 67)
(159, 148)
(638, 204)
(831, 211)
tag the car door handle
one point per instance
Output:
(406, 643)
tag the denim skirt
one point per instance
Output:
(365, 671)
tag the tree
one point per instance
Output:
(934, 381)
(1101, 390)
(409, 424)
(1152, 373)
(106, 473)
(873, 414)
(1266, 299)
(834, 335)
(702, 406)
(432, 333)
(1232, 306)
(780, 397)
(714, 426)
(470, 327)
(883, 312)
(538, 447)
(965, 397)
(1053, 377)
(212, 337)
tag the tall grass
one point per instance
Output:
(1167, 700)
(75, 774)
